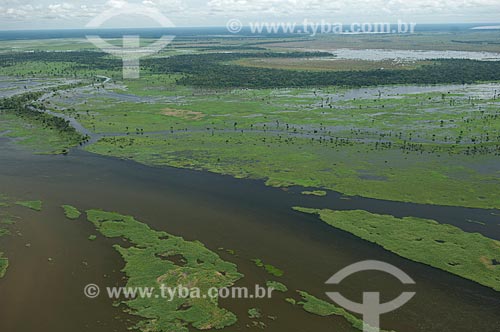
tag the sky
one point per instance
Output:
(54, 14)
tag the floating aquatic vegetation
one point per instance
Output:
(319, 307)
(446, 247)
(151, 262)
(277, 286)
(34, 205)
(254, 313)
(71, 212)
(269, 268)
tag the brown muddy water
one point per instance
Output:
(42, 295)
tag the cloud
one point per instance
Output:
(50, 11)
(67, 11)
(353, 7)
(273, 6)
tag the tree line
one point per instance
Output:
(216, 70)
(22, 106)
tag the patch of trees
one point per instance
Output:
(476, 42)
(80, 59)
(213, 71)
(200, 63)
(225, 48)
(21, 106)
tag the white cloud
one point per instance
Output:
(359, 8)
(273, 6)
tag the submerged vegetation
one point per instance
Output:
(446, 247)
(152, 261)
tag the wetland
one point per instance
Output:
(250, 167)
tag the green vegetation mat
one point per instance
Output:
(468, 255)
(33, 205)
(277, 286)
(273, 270)
(254, 313)
(157, 258)
(319, 307)
(71, 212)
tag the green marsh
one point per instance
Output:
(468, 255)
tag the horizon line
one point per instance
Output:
(480, 24)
